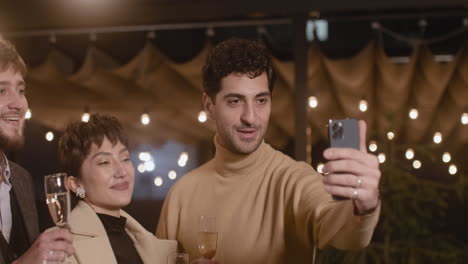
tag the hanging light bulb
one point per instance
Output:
(453, 169)
(158, 181)
(141, 168)
(391, 135)
(144, 156)
(28, 114)
(85, 117)
(381, 157)
(363, 105)
(409, 154)
(172, 175)
(49, 136)
(437, 137)
(373, 146)
(202, 117)
(313, 103)
(145, 119)
(149, 165)
(446, 157)
(416, 164)
(464, 118)
(184, 156)
(413, 113)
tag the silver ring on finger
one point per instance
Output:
(358, 182)
(355, 194)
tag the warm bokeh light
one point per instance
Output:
(145, 119)
(49, 136)
(144, 156)
(158, 181)
(28, 114)
(391, 135)
(437, 137)
(416, 164)
(413, 113)
(320, 167)
(181, 163)
(363, 105)
(381, 157)
(149, 165)
(453, 169)
(446, 157)
(141, 168)
(464, 118)
(202, 117)
(313, 102)
(409, 154)
(184, 156)
(373, 146)
(172, 175)
(85, 117)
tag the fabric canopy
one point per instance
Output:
(172, 94)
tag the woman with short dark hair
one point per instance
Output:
(96, 156)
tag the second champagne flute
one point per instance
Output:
(207, 236)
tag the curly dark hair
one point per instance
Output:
(236, 55)
(75, 143)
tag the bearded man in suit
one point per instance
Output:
(19, 240)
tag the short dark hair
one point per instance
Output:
(236, 55)
(10, 59)
(75, 143)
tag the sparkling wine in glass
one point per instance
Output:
(57, 198)
(207, 236)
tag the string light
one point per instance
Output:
(437, 137)
(409, 154)
(373, 146)
(28, 114)
(158, 181)
(85, 117)
(145, 119)
(391, 135)
(313, 103)
(413, 113)
(172, 175)
(202, 117)
(416, 164)
(320, 167)
(149, 165)
(144, 156)
(49, 136)
(363, 105)
(453, 169)
(381, 157)
(464, 118)
(141, 168)
(446, 157)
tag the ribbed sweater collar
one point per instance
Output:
(229, 164)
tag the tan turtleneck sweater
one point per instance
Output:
(268, 207)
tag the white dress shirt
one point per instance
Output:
(5, 207)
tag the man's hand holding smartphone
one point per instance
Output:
(351, 173)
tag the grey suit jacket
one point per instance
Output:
(23, 187)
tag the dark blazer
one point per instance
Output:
(22, 185)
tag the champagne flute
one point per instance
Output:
(207, 236)
(58, 199)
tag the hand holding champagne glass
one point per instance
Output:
(207, 236)
(58, 199)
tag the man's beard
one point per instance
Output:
(11, 144)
